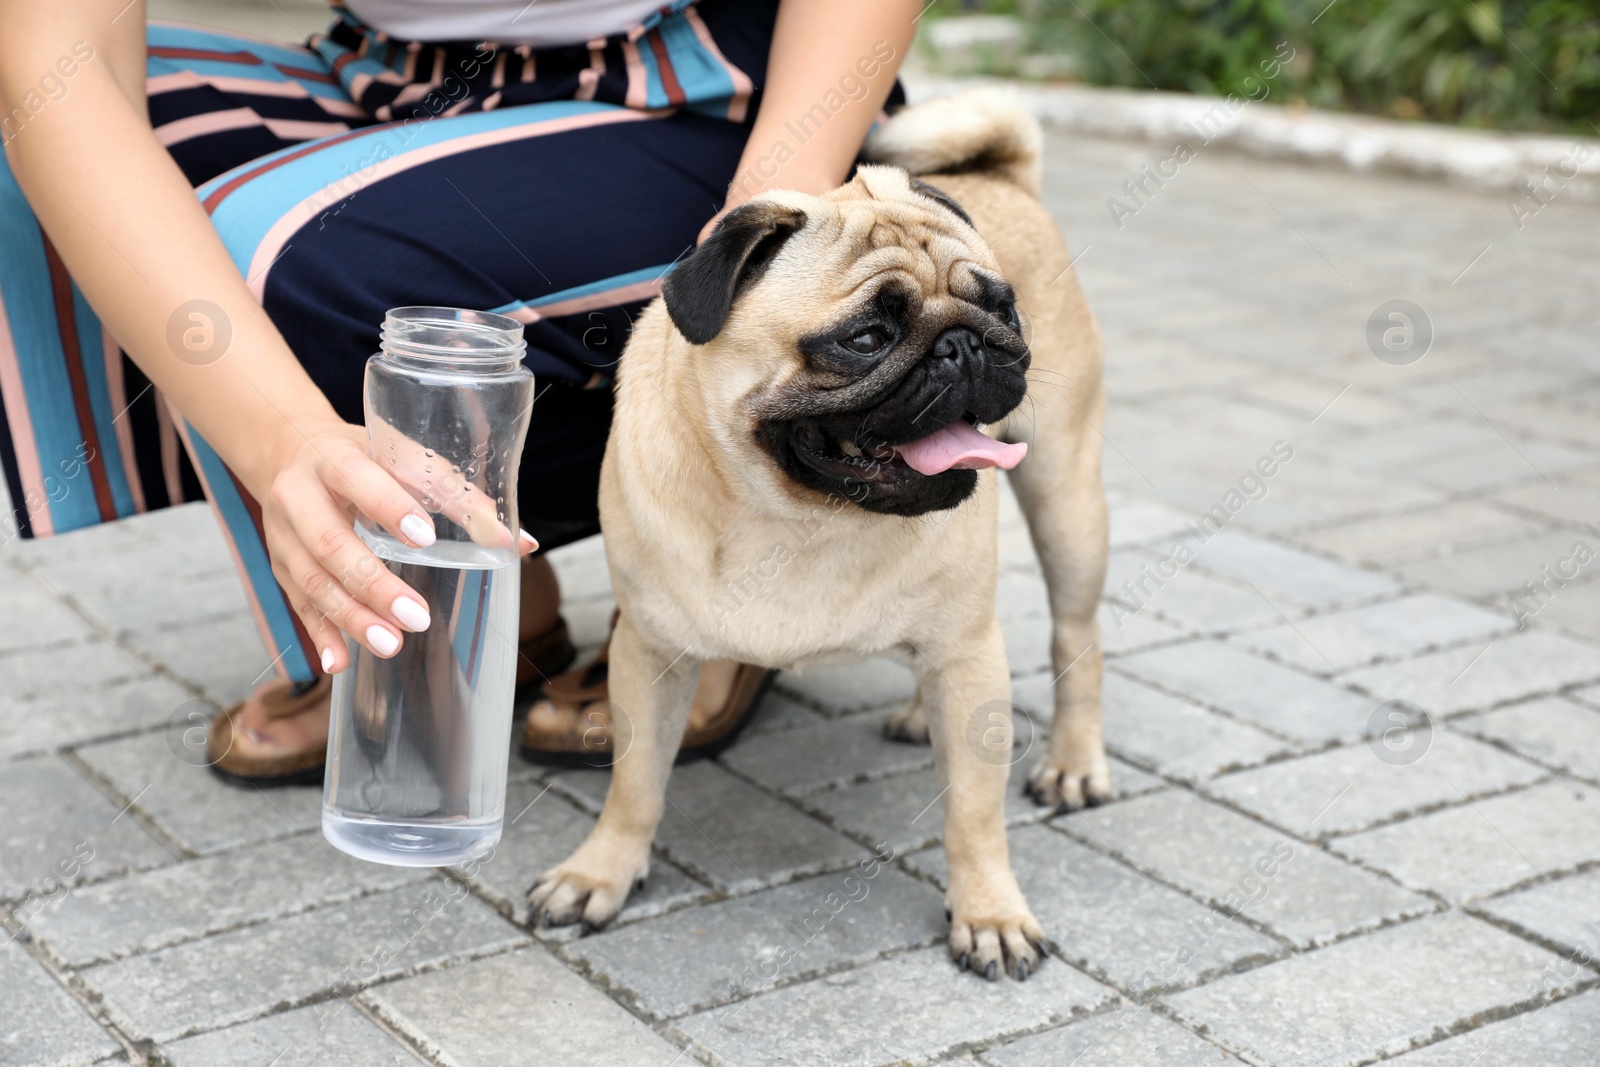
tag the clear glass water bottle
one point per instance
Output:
(418, 743)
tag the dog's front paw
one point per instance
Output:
(908, 724)
(1070, 787)
(588, 889)
(996, 932)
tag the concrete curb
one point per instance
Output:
(1530, 168)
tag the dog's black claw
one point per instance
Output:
(1050, 946)
(989, 971)
(543, 921)
(1093, 801)
(1063, 808)
(584, 928)
(961, 963)
(1022, 970)
(947, 915)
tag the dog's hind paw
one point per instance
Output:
(573, 892)
(908, 724)
(1050, 785)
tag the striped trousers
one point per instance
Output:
(355, 174)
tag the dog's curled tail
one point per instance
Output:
(982, 130)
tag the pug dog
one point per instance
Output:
(801, 471)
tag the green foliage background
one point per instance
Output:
(1524, 64)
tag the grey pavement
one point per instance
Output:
(1298, 868)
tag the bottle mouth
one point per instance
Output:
(453, 337)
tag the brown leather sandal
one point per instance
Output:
(538, 657)
(571, 726)
(278, 700)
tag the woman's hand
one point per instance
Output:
(333, 580)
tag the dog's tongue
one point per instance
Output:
(961, 447)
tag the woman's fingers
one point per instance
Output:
(324, 634)
(350, 473)
(327, 608)
(327, 570)
(442, 485)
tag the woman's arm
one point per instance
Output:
(138, 243)
(830, 70)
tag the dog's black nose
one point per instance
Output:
(957, 343)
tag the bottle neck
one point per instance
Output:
(452, 341)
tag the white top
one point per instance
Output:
(541, 23)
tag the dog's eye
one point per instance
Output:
(867, 341)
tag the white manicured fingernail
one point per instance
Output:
(412, 616)
(417, 530)
(382, 641)
(527, 539)
(327, 661)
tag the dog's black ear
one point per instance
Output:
(700, 292)
(933, 192)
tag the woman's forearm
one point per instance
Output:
(138, 243)
(831, 68)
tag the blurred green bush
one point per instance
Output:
(1524, 64)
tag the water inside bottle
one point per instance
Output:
(418, 743)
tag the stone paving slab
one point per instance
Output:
(1192, 598)
(35, 618)
(79, 835)
(1470, 677)
(1314, 493)
(1563, 912)
(49, 721)
(726, 832)
(704, 957)
(1488, 845)
(811, 758)
(779, 711)
(1351, 788)
(1501, 567)
(1115, 922)
(1121, 1037)
(192, 805)
(236, 976)
(1299, 891)
(1555, 731)
(1564, 1034)
(1021, 594)
(42, 1025)
(1286, 702)
(911, 1007)
(542, 828)
(906, 812)
(1429, 533)
(1576, 610)
(80, 669)
(1377, 995)
(1122, 633)
(1178, 738)
(852, 687)
(1501, 466)
(1287, 576)
(153, 909)
(522, 1007)
(305, 1037)
(1394, 629)
(1135, 520)
(1574, 500)
(221, 656)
